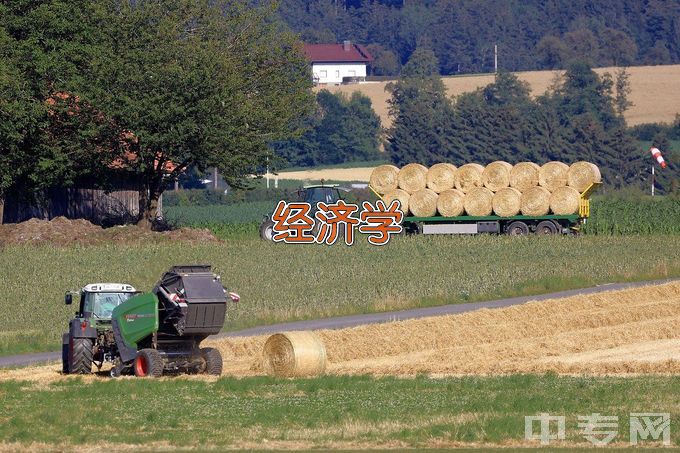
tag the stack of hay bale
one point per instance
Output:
(499, 188)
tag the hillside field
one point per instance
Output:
(655, 91)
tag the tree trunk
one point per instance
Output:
(2, 207)
(148, 207)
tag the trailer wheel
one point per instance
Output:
(267, 230)
(213, 361)
(148, 363)
(546, 227)
(517, 228)
(81, 356)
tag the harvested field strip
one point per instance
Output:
(619, 332)
(514, 339)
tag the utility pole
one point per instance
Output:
(495, 58)
(215, 178)
(653, 178)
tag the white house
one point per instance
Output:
(337, 63)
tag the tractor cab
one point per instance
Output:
(313, 194)
(98, 300)
(329, 193)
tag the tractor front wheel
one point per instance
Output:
(81, 356)
(213, 361)
(148, 363)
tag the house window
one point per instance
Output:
(323, 74)
(337, 74)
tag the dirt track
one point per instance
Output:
(622, 332)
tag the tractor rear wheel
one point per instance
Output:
(213, 361)
(81, 356)
(148, 363)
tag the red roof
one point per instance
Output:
(336, 53)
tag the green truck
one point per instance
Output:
(148, 334)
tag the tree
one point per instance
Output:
(343, 130)
(618, 48)
(551, 51)
(18, 113)
(422, 114)
(195, 83)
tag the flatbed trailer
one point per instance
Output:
(516, 225)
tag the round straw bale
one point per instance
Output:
(412, 178)
(291, 354)
(507, 202)
(553, 175)
(524, 176)
(384, 178)
(451, 203)
(535, 201)
(583, 174)
(468, 177)
(423, 203)
(479, 202)
(564, 200)
(496, 175)
(398, 194)
(441, 177)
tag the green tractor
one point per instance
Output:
(147, 334)
(327, 193)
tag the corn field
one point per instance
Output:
(646, 215)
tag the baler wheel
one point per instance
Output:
(82, 356)
(148, 363)
(213, 361)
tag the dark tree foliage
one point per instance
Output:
(576, 120)
(530, 34)
(343, 130)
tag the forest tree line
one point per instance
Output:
(530, 34)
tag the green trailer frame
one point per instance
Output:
(515, 225)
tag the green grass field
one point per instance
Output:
(326, 412)
(280, 282)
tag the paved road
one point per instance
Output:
(342, 322)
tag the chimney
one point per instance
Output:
(347, 45)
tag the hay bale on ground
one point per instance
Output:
(553, 175)
(441, 177)
(384, 178)
(398, 194)
(535, 201)
(412, 178)
(507, 202)
(496, 175)
(564, 201)
(524, 176)
(423, 203)
(479, 202)
(451, 203)
(468, 177)
(292, 354)
(583, 174)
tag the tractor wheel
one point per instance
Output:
(213, 361)
(267, 230)
(64, 358)
(148, 363)
(81, 359)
